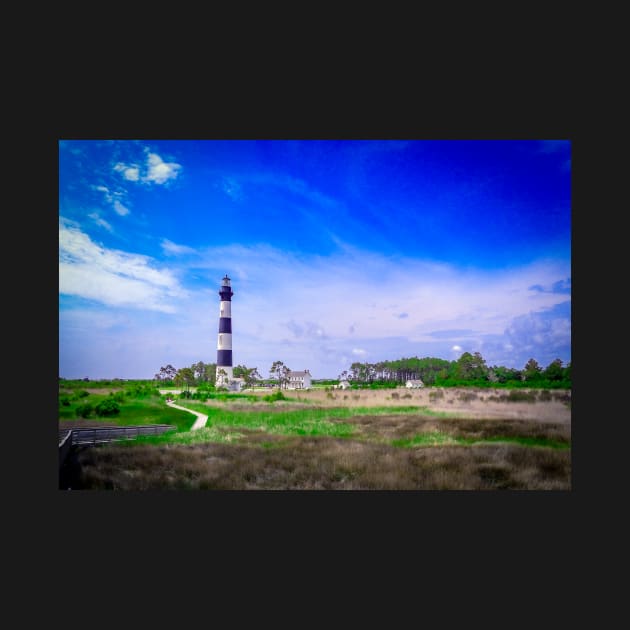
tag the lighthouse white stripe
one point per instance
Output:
(225, 309)
(225, 341)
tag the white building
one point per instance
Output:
(299, 380)
(414, 383)
(344, 385)
(236, 384)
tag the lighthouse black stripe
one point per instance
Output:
(224, 358)
(225, 324)
(225, 296)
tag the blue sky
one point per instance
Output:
(338, 251)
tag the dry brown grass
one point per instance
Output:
(323, 464)
(465, 402)
(368, 461)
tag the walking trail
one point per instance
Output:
(201, 420)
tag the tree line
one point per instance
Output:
(202, 375)
(469, 369)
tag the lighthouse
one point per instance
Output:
(224, 343)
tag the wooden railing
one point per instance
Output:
(84, 436)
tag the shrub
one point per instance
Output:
(395, 395)
(467, 396)
(407, 395)
(436, 394)
(107, 407)
(520, 396)
(275, 396)
(83, 411)
(119, 396)
(64, 401)
(80, 393)
(544, 395)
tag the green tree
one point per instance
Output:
(251, 376)
(185, 377)
(532, 371)
(166, 373)
(199, 371)
(471, 367)
(554, 371)
(221, 377)
(275, 371)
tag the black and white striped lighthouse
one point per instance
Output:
(224, 343)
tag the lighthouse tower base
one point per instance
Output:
(222, 380)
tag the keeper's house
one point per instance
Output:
(299, 380)
(414, 383)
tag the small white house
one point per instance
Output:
(299, 380)
(414, 383)
(236, 384)
(344, 384)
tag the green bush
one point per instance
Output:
(107, 407)
(64, 401)
(275, 396)
(80, 393)
(520, 396)
(84, 411)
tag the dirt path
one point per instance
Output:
(201, 420)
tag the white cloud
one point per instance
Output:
(356, 291)
(300, 310)
(113, 277)
(172, 249)
(160, 171)
(120, 209)
(100, 221)
(154, 171)
(113, 198)
(129, 172)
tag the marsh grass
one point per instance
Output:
(256, 445)
(322, 463)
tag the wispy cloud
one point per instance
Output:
(114, 199)
(173, 249)
(98, 220)
(112, 277)
(232, 188)
(276, 292)
(560, 286)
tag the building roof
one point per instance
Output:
(304, 373)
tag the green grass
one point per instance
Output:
(439, 439)
(198, 436)
(133, 411)
(425, 439)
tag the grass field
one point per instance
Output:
(355, 440)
